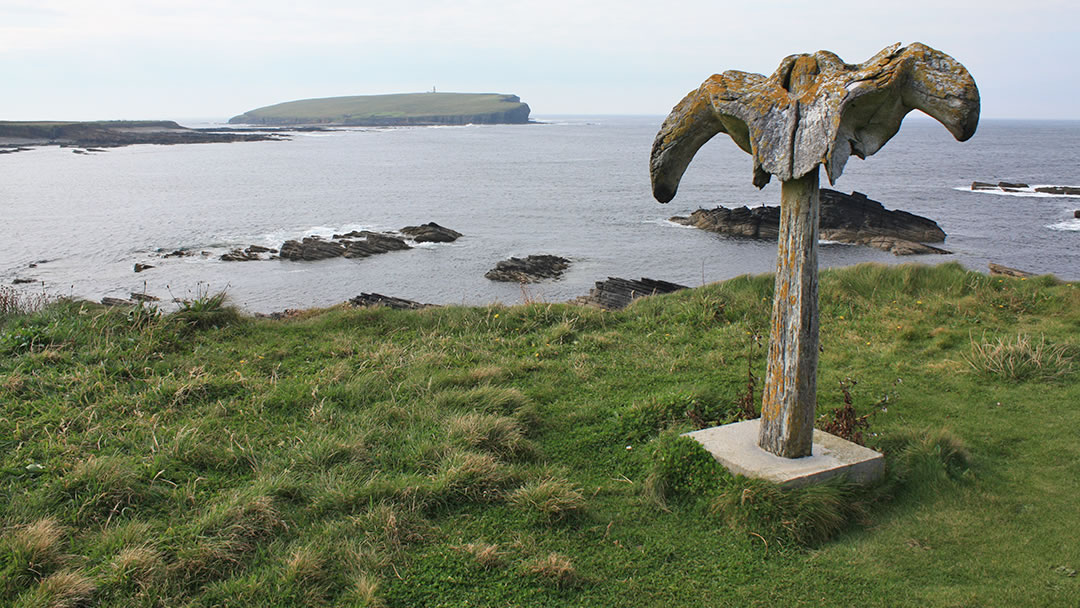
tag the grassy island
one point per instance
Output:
(530, 455)
(389, 110)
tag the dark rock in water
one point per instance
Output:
(1076, 214)
(144, 297)
(139, 267)
(373, 243)
(21, 281)
(1005, 271)
(311, 248)
(355, 244)
(529, 269)
(431, 233)
(1012, 185)
(847, 218)
(239, 255)
(615, 293)
(983, 186)
(1070, 190)
(375, 299)
(258, 249)
(179, 253)
(107, 301)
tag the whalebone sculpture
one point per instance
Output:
(814, 110)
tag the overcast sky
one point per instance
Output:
(184, 59)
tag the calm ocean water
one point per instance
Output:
(575, 187)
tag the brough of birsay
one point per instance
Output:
(422, 336)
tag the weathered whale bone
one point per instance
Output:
(815, 109)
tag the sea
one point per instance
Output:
(75, 225)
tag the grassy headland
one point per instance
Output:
(528, 455)
(398, 109)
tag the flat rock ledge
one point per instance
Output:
(616, 293)
(369, 300)
(1022, 187)
(845, 218)
(529, 269)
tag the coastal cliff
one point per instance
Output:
(393, 110)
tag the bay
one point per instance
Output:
(572, 186)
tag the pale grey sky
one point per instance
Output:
(82, 59)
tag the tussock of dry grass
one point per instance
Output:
(140, 565)
(485, 555)
(550, 499)
(363, 592)
(64, 589)
(554, 568)
(501, 436)
(1021, 359)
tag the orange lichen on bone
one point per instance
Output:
(815, 109)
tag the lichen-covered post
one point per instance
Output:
(788, 400)
(814, 110)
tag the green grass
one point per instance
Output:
(529, 455)
(374, 109)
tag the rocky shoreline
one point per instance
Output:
(89, 137)
(846, 218)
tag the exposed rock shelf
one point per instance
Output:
(529, 269)
(355, 244)
(615, 293)
(846, 218)
(1022, 188)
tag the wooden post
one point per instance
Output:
(790, 391)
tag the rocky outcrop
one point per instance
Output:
(139, 267)
(311, 248)
(354, 244)
(1005, 271)
(1067, 190)
(846, 218)
(615, 293)
(1022, 187)
(358, 244)
(365, 300)
(529, 269)
(430, 233)
(373, 243)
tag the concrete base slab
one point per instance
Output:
(735, 446)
